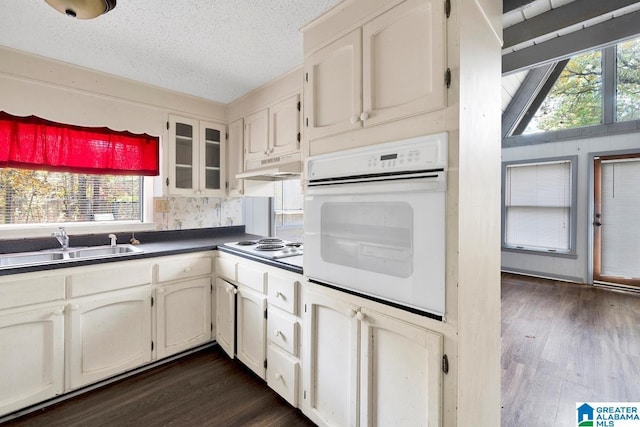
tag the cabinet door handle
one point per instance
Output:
(352, 312)
(278, 376)
(58, 312)
(360, 315)
(279, 294)
(277, 332)
(364, 116)
(355, 119)
(272, 150)
(161, 290)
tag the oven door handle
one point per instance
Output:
(432, 184)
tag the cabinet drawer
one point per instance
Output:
(226, 268)
(25, 291)
(282, 331)
(184, 268)
(252, 278)
(283, 293)
(117, 276)
(282, 375)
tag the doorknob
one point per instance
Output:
(597, 223)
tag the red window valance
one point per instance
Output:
(35, 143)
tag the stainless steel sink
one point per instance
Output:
(10, 260)
(51, 256)
(104, 251)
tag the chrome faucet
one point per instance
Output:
(62, 237)
(113, 239)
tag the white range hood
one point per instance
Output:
(277, 168)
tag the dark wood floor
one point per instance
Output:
(202, 389)
(561, 344)
(565, 343)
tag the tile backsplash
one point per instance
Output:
(181, 213)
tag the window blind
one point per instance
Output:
(538, 206)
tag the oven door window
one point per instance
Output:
(376, 237)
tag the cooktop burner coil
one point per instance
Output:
(269, 247)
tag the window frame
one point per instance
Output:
(573, 211)
(18, 231)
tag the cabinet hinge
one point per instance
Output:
(305, 308)
(445, 364)
(304, 394)
(306, 77)
(299, 136)
(151, 345)
(226, 135)
(265, 313)
(447, 8)
(167, 181)
(299, 106)
(211, 287)
(151, 301)
(307, 121)
(211, 327)
(226, 185)
(265, 363)
(447, 78)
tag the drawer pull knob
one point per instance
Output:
(278, 376)
(351, 312)
(279, 294)
(161, 290)
(360, 315)
(277, 332)
(58, 312)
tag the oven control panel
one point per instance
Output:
(422, 153)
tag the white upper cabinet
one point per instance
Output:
(196, 157)
(391, 67)
(333, 87)
(235, 158)
(256, 135)
(272, 132)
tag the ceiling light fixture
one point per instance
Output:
(82, 9)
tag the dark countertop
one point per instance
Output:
(152, 243)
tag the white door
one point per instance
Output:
(410, 393)
(235, 162)
(226, 316)
(183, 316)
(331, 335)
(404, 61)
(108, 334)
(616, 226)
(333, 87)
(256, 135)
(251, 330)
(31, 357)
(183, 155)
(284, 126)
(211, 159)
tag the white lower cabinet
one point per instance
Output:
(31, 356)
(251, 329)
(225, 297)
(108, 334)
(365, 368)
(183, 316)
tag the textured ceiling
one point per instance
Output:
(215, 49)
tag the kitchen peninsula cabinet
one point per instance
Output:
(349, 348)
(196, 157)
(389, 68)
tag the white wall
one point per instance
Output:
(575, 269)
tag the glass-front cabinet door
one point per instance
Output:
(196, 153)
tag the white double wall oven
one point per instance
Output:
(375, 222)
